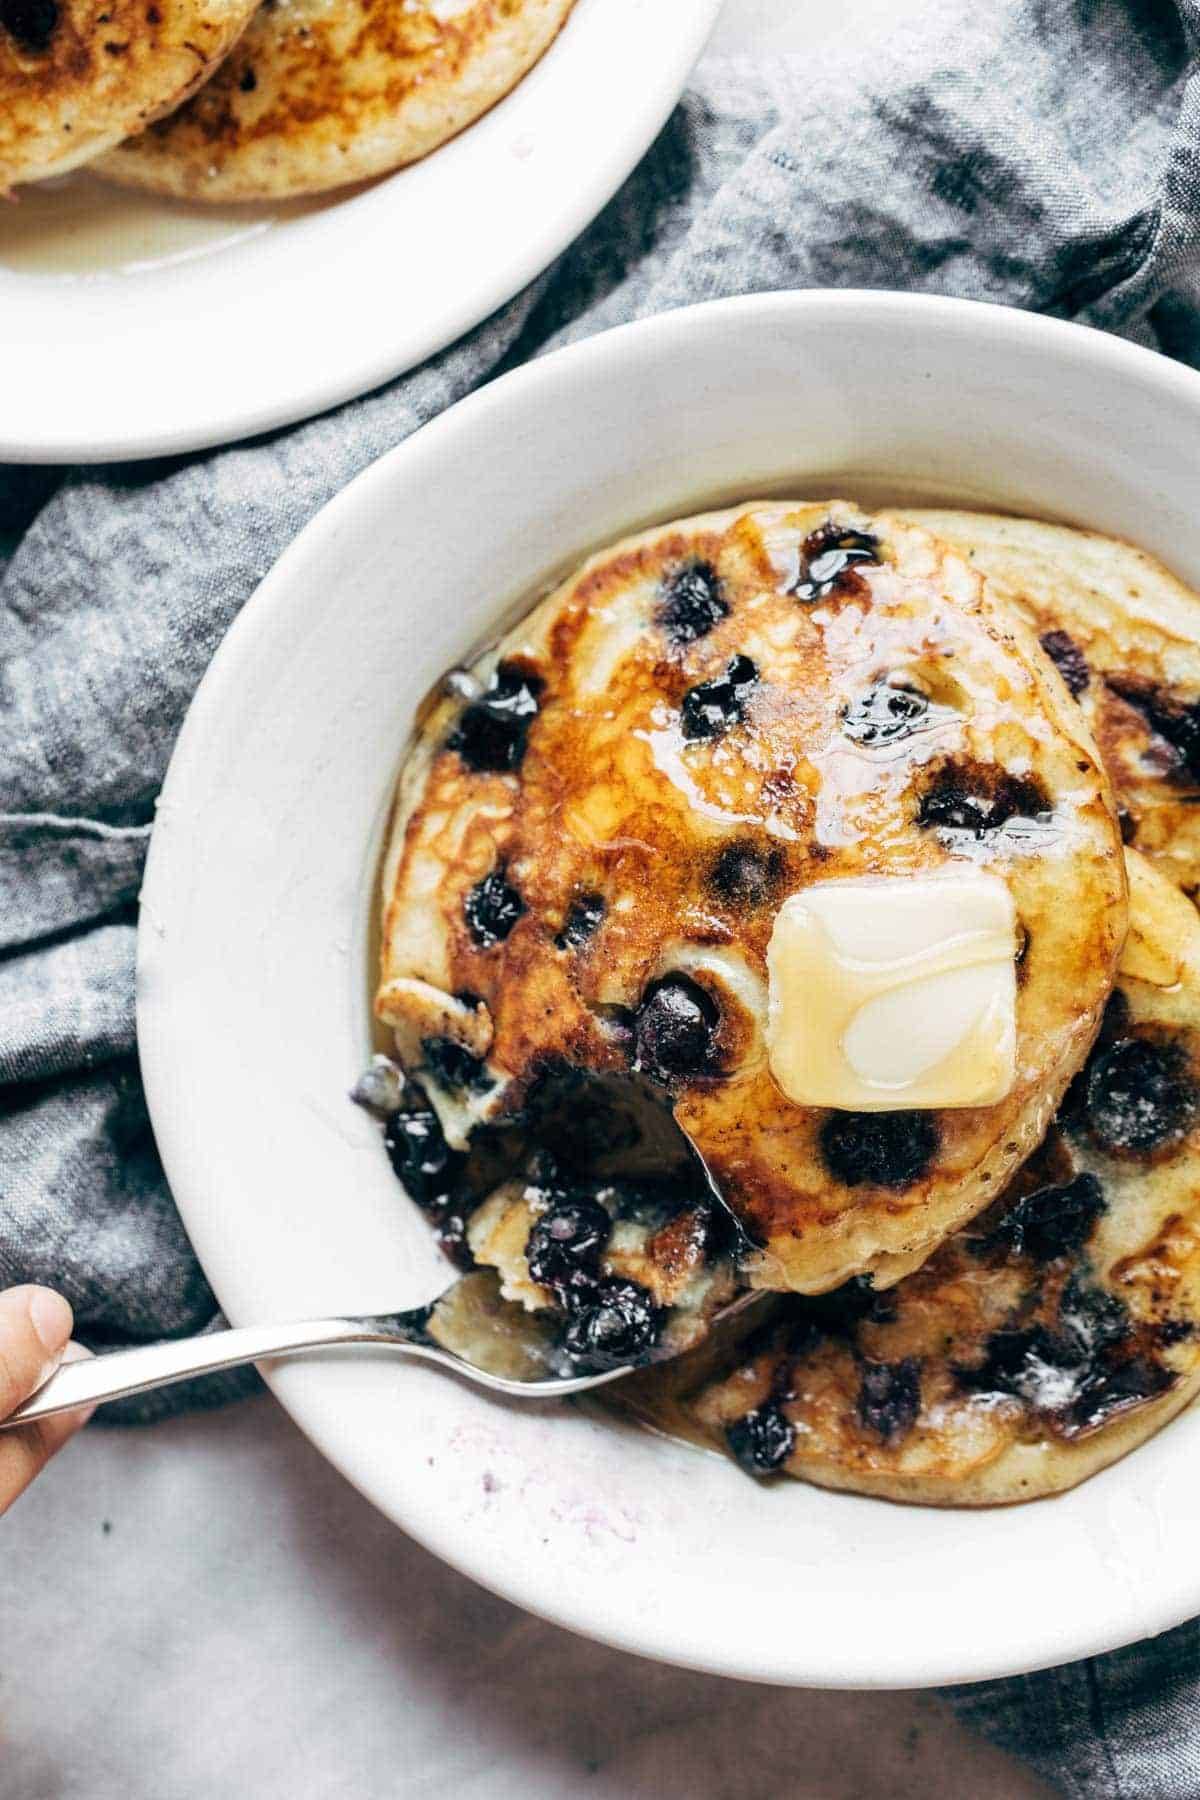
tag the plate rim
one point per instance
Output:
(1049, 1646)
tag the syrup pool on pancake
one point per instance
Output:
(779, 752)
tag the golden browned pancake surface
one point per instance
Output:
(1061, 1329)
(77, 76)
(589, 856)
(1126, 636)
(319, 95)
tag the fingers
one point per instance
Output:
(35, 1329)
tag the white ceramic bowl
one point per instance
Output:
(253, 986)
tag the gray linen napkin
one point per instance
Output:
(1040, 153)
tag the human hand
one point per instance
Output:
(35, 1334)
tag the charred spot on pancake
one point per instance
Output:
(977, 797)
(453, 1065)
(762, 1441)
(1050, 1222)
(878, 1149)
(692, 602)
(884, 714)
(711, 707)
(30, 23)
(616, 1323)
(491, 909)
(565, 1245)
(829, 559)
(743, 874)
(889, 1397)
(839, 1312)
(675, 1030)
(491, 733)
(1068, 659)
(421, 1157)
(1176, 721)
(1140, 1096)
(583, 920)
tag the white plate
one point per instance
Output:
(206, 328)
(253, 992)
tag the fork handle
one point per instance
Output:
(119, 1372)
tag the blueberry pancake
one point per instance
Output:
(1058, 1330)
(735, 763)
(318, 96)
(77, 76)
(1126, 637)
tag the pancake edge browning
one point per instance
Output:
(284, 117)
(107, 68)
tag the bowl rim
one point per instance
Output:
(157, 1038)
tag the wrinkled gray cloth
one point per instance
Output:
(1040, 153)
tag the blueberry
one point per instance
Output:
(828, 561)
(1052, 1222)
(491, 909)
(451, 1234)
(763, 1440)
(1069, 659)
(1125, 1384)
(454, 1066)
(565, 1246)
(617, 1323)
(878, 1149)
(1176, 721)
(421, 1157)
(582, 922)
(744, 875)
(1140, 1096)
(889, 1397)
(492, 731)
(711, 707)
(692, 603)
(32, 23)
(978, 797)
(884, 715)
(675, 1029)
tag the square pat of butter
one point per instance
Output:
(897, 991)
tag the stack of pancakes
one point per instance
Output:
(232, 100)
(595, 832)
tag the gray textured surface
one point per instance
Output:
(1037, 152)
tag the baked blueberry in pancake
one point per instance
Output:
(1125, 635)
(1054, 1333)
(773, 811)
(77, 76)
(317, 95)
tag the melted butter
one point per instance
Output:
(80, 226)
(894, 991)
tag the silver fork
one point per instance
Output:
(510, 1351)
